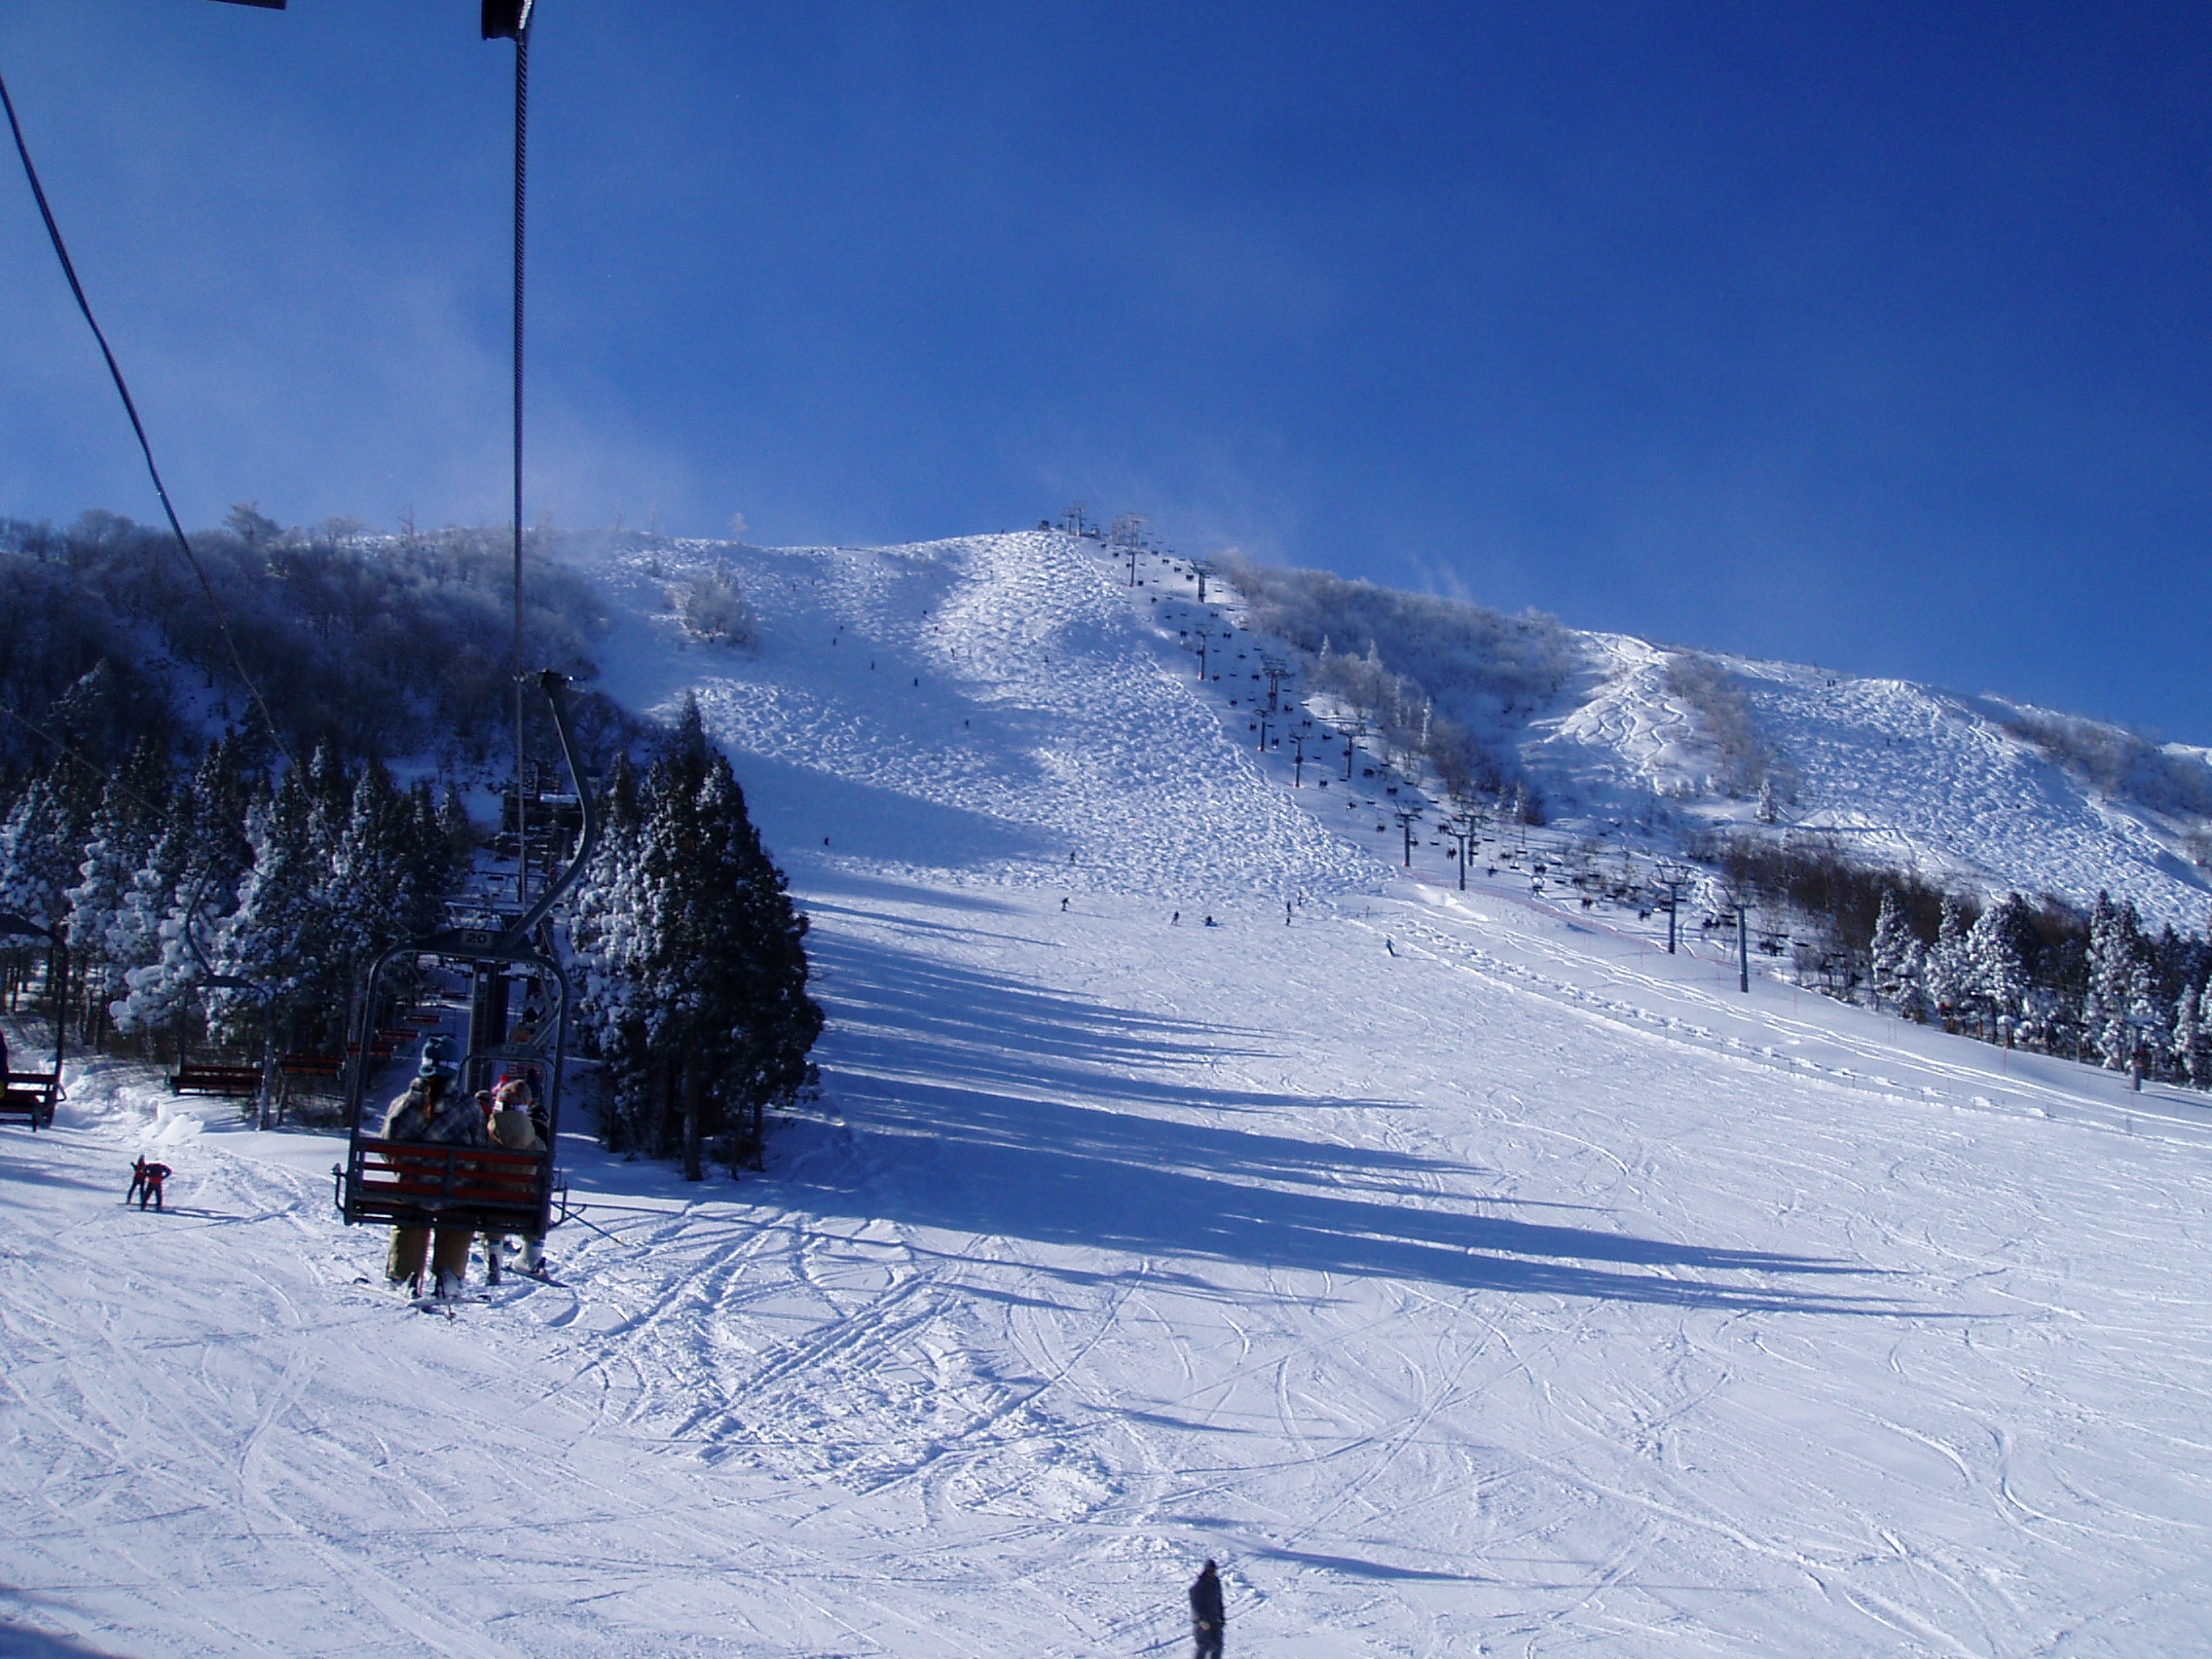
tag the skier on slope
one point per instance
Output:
(146, 1180)
(427, 1115)
(1206, 1616)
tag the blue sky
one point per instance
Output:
(1872, 335)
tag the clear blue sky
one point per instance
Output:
(1868, 334)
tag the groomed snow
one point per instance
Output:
(1466, 1274)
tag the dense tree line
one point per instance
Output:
(292, 880)
(2095, 985)
(368, 646)
(692, 962)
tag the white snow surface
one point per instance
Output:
(1463, 1271)
(1891, 772)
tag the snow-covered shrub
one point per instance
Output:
(1451, 683)
(1725, 714)
(2117, 760)
(714, 611)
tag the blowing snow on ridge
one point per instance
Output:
(1199, 1169)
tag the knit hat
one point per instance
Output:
(437, 1058)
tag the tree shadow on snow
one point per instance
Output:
(19, 1641)
(1020, 1129)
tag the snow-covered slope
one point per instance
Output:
(1466, 1273)
(1896, 773)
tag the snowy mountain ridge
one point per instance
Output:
(1892, 773)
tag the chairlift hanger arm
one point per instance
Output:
(502, 19)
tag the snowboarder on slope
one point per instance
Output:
(1206, 1619)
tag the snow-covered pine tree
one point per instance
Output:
(1997, 968)
(1912, 980)
(117, 845)
(695, 977)
(608, 934)
(1948, 973)
(279, 935)
(205, 854)
(41, 844)
(2104, 995)
(2120, 1002)
(1887, 953)
(369, 892)
(2188, 1044)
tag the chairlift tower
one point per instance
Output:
(1408, 817)
(1674, 876)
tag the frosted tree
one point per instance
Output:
(41, 844)
(371, 886)
(1948, 973)
(279, 935)
(1912, 980)
(1997, 968)
(694, 970)
(190, 882)
(120, 836)
(2118, 1002)
(2190, 1052)
(609, 935)
(1888, 956)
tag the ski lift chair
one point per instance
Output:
(30, 1096)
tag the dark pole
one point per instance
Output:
(1743, 947)
(522, 130)
(1298, 761)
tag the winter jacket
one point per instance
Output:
(1205, 1602)
(457, 1122)
(513, 1132)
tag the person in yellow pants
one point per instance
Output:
(428, 1114)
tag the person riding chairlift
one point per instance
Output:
(429, 1115)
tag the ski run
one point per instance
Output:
(1463, 1271)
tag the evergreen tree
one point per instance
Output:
(695, 967)
(41, 844)
(1887, 954)
(2190, 1052)
(371, 892)
(1997, 969)
(1948, 973)
(279, 935)
(120, 836)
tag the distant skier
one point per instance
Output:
(1389, 945)
(1206, 1616)
(146, 1183)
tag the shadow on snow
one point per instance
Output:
(1016, 1101)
